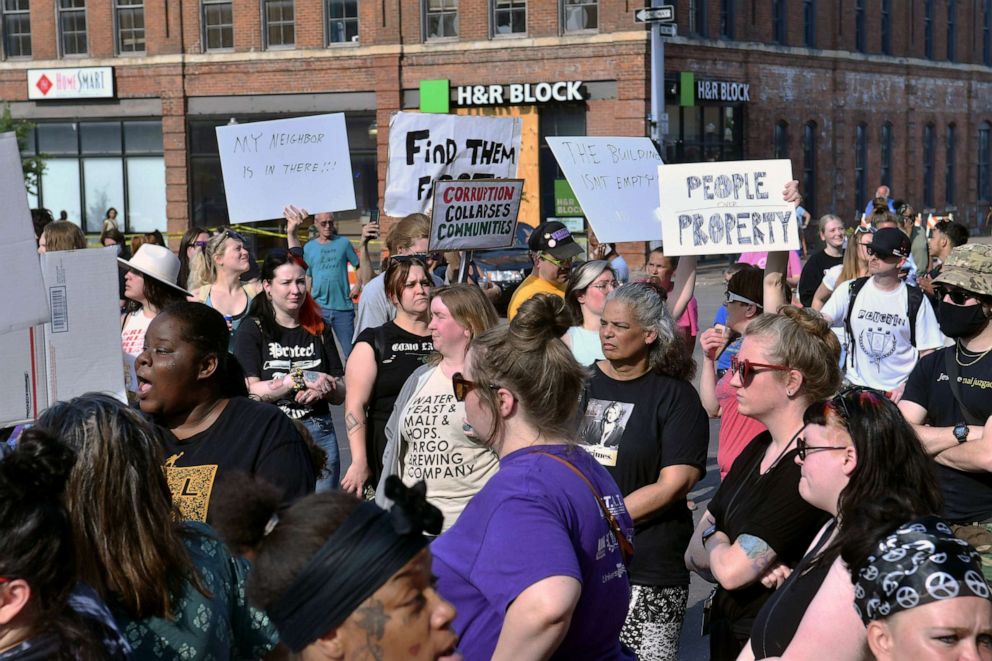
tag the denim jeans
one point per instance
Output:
(343, 323)
(321, 427)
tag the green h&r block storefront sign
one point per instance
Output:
(434, 96)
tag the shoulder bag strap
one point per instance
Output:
(626, 548)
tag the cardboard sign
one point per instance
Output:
(727, 207)
(303, 161)
(424, 148)
(475, 215)
(616, 182)
(22, 298)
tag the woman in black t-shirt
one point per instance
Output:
(757, 526)
(644, 422)
(380, 362)
(289, 357)
(861, 463)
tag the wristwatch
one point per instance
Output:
(709, 532)
(961, 432)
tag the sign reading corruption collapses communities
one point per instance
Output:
(427, 147)
(726, 207)
(615, 181)
(303, 161)
(475, 215)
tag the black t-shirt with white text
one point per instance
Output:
(967, 496)
(635, 429)
(812, 275)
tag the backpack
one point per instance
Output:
(914, 299)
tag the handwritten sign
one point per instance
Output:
(727, 207)
(475, 215)
(303, 161)
(424, 148)
(616, 182)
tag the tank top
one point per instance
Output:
(586, 346)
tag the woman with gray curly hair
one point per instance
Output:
(645, 423)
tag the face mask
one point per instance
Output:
(961, 320)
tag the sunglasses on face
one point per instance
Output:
(462, 386)
(957, 296)
(731, 297)
(560, 263)
(881, 255)
(200, 244)
(745, 369)
(804, 449)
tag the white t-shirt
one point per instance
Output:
(880, 354)
(830, 276)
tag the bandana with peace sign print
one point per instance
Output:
(919, 563)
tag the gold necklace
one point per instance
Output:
(957, 353)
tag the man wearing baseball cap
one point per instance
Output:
(552, 248)
(888, 324)
(948, 397)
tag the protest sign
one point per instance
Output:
(615, 181)
(303, 161)
(22, 298)
(424, 148)
(727, 207)
(475, 215)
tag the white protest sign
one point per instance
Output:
(727, 207)
(615, 181)
(22, 298)
(426, 147)
(303, 161)
(475, 215)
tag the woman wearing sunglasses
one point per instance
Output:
(585, 294)
(644, 423)
(427, 437)
(216, 278)
(855, 265)
(535, 564)
(862, 464)
(757, 526)
(288, 354)
(193, 241)
(381, 361)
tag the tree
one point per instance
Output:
(34, 166)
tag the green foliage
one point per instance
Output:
(34, 166)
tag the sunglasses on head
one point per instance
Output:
(745, 369)
(231, 234)
(462, 386)
(731, 297)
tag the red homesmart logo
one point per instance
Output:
(44, 84)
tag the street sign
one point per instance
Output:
(668, 29)
(662, 14)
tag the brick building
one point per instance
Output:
(854, 92)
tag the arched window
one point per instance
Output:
(928, 150)
(950, 163)
(809, 166)
(780, 140)
(885, 143)
(860, 165)
(984, 149)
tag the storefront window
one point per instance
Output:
(554, 121)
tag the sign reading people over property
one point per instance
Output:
(425, 148)
(616, 182)
(475, 215)
(726, 207)
(303, 161)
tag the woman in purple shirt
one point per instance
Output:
(537, 563)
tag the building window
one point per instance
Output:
(860, 163)
(928, 154)
(778, 21)
(16, 28)
(727, 18)
(928, 10)
(809, 165)
(697, 18)
(440, 19)
(130, 26)
(509, 17)
(987, 35)
(780, 140)
(72, 26)
(342, 21)
(809, 23)
(280, 28)
(92, 166)
(951, 30)
(885, 141)
(950, 164)
(984, 157)
(859, 26)
(218, 25)
(887, 27)
(578, 15)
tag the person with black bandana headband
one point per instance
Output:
(341, 578)
(948, 397)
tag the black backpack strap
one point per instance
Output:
(852, 293)
(914, 299)
(953, 371)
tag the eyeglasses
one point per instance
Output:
(731, 297)
(805, 449)
(462, 386)
(603, 286)
(957, 296)
(560, 263)
(746, 370)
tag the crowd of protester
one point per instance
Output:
(517, 489)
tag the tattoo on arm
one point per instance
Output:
(371, 618)
(310, 377)
(352, 423)
(757, 550)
